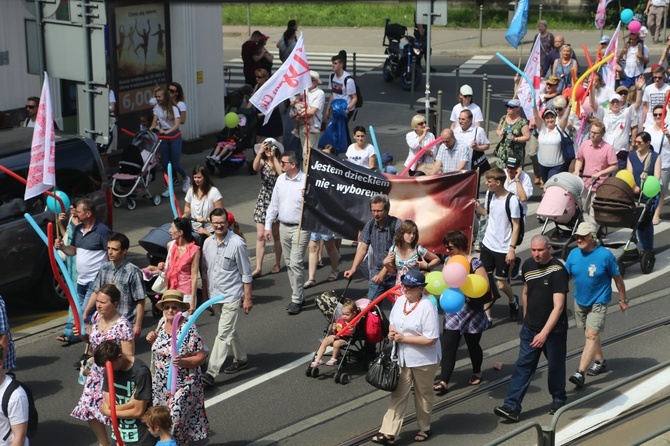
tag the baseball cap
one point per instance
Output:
(466, 90)
(553, 80)
(585, 228)
(616, 97)
(513, 163)
(413, 278)
(549, 111)
(605, 39)
(387, 158)
(514, 103)
(265, 37)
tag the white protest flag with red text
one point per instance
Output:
(609, 69)
(290, 79)
(532, 70)
(42, 170)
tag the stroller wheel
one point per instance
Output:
(315, 372)
(337, 377)
(131, 204)
(308, 372)
(117, 202)
(622, 267)
(157, 199)
(344, 379)
(647, 262)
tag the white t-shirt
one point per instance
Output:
(316, 98)
(341, 91)
(202, 208)
(526, 185)
(163, 120)
(660, 144)
(477, 115)
(474, 133)
(498, 234)
(549, 152)
(653, 96)
(181, 105)
(634, 67)
(360, 157)
(617, 127)
(18, 412)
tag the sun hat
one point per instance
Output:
(585, 228)
(273, 142)
(314, 75)
(553, 80)
(173, 296)
(413, 278)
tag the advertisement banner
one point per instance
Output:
(337, 200)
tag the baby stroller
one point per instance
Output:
(137, 169)
(370, 326)
(236, 141)
(615, 206)
(562, 205)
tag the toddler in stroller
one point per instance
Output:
(340, 334)
(228, 154)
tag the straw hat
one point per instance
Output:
(173, 296)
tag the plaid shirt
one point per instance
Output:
(468, 319)
(381, 240)
(128, 279)
(10, 361)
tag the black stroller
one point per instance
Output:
(236, 141)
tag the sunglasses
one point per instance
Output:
(559, 110)
(421, 123)
(658, 115)
(467, 95)
(172, 90)
(260, 77)
(657, 77)
(171, 307)
(31, 106)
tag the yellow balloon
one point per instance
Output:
(460, 259)
(627, 177)
(475, 286)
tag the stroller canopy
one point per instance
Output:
(570, 182)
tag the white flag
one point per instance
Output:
(609, 69)
(290, 79)
(532, 70)
(42, 170)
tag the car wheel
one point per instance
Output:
(53, 296)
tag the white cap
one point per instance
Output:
(466, 90)
(616, 97)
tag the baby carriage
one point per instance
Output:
(615, 206)
(137, 169)
(562, 204)
(234, 141)
(368, 328)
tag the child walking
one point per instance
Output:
(159, 423)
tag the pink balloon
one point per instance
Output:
(634, 26)
(454, 274)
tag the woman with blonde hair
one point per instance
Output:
(417, 139)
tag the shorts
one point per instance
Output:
(314, 237)
(665, 179)
(592, 317)
(494, 262)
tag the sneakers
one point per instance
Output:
(514, 309)
(507, 413)
(577, 379)
(294, 308)
(165, 193)
(597, 368)
(186, 185)
(236, 366)
(554, 407)
(207, 380)
(214, 158)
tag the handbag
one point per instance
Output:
(479, 160)
(383, 372)
(159, 285)
(567, 146)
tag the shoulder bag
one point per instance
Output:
(384, 371)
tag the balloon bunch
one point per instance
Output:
(454, 283)
(650, 187)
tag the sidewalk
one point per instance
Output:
(449, 42)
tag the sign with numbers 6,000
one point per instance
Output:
(136, 100)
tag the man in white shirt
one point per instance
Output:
(655, 11)
(316, 100)
(452, 155)
(654, 95)
(342, 86)
(285, 206)
(31, 111)
(14, 424)
(518, 182)
(474, 137)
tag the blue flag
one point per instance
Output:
(518, 27)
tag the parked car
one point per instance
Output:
(25, 271)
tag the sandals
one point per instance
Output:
(422, 436)
(384, 439)
(275, 269)
(331, 362)
(256, 273)
(316, 364)
(62, 338)
(310, 283)
(333, 276)
(475, 380)
(441, 388)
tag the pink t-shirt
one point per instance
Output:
(595, 159)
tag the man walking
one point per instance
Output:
(342, 86)
(226, 271)
(593, 268)
(286, 206)
(379, 232)
(544, 329)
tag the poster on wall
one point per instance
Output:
(141, 60)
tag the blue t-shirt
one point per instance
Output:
(172, 442)
(592, 273)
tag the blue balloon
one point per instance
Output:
(54, 206)
(452, 300)
(626, 16)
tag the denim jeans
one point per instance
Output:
(645, 232)
(83, 293)
(171, 153)
(375, 289)
(554, 350)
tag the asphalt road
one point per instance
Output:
(273, 401)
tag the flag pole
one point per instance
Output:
(306, 164)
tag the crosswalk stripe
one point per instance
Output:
(473, 64)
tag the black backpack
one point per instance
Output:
(33, 417)
(359, 96)
(522, 225)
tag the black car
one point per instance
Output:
(24, 262)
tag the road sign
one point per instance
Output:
(49, 7)
(64, 49)
(101, 109)
(423, 11)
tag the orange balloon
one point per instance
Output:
(460, 259)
